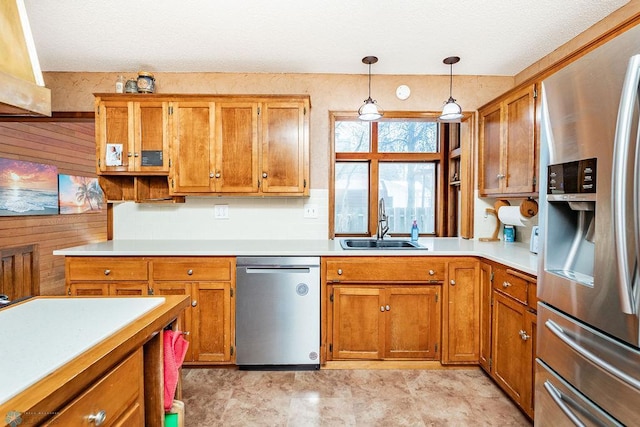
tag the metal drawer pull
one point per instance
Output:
(524, 335)
(388, 308)
(107, 272)
(506, 284)
(194, 303)
(452, 282)
(556, 395)
(382, 308)
(264, 174)
(559, 332)
(431, 272)
(189, 272)
(339, 272)
(98, 419)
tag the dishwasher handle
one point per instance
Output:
(276, 270)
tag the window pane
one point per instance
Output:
(408, 137)
(352, 199)
(352, 136)
(409, 191)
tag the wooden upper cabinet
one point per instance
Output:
(192, 149)
(507, 149)
(285, 147)
(237, 147)
(132, 136)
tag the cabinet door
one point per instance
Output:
(236, 166)
(284, 144)
(530, 332)
(114, 136)
(489, 151)
(510, 351)
(193, 149)
(412, 322)
(461, 313)
(485, 315)
(358, 327)
(88, 289)
(151, 136)
(518, 164)
(128, 289)
(211, 322)
(178, 288)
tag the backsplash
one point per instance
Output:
(249, 218)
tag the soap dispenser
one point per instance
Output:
(415, 232)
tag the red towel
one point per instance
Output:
(175, 349)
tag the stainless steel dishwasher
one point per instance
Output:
(278, 312)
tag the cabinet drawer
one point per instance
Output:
(384, 269)
(193, 269)
(118, 394)
(513, 283)
(107, 269)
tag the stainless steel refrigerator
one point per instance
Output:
(588, 355)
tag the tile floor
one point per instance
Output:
(226, 397)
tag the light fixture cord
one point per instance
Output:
(450, 80)
(369, 80)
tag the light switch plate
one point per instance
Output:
(221, 211)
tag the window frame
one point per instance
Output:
(373, 158)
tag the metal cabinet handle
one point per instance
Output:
(524, 335)
(339, 272)
(506, 284)
(388, 308)
(194, 303)
(107, 272)
(186, 333)
(136, 154)
(211, 175)
(382, 308)
(452, 282)
(218, 175)
(500, 176)
(190, 272)
(556, 395)
(98, 419)
(431, 272)
(264, 174)
(129, 154)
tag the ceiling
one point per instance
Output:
(493, 37)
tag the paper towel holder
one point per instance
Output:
(496, 207)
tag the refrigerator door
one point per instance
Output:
(604, 370)
(579, 114)
(560, 404)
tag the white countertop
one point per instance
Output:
(515, 255)
(41, 335)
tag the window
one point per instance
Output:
(398, 159)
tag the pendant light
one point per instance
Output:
(451, 112)
(370, 110)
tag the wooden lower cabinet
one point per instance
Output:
(209, 321)
(371, 322)
(461, 322)
(513, 333)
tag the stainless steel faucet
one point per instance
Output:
(383, 227)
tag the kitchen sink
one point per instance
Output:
(379, 244)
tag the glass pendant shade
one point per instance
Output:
(370, 110)
(452, 112)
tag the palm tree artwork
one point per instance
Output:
(79, 194)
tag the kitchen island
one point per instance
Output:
(68, 359)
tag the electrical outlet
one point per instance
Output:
(310, 211)
(221, 211)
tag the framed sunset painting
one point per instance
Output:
(79, 194)
(28, 188)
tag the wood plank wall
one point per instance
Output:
(67, 142)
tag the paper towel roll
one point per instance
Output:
(510, 215)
